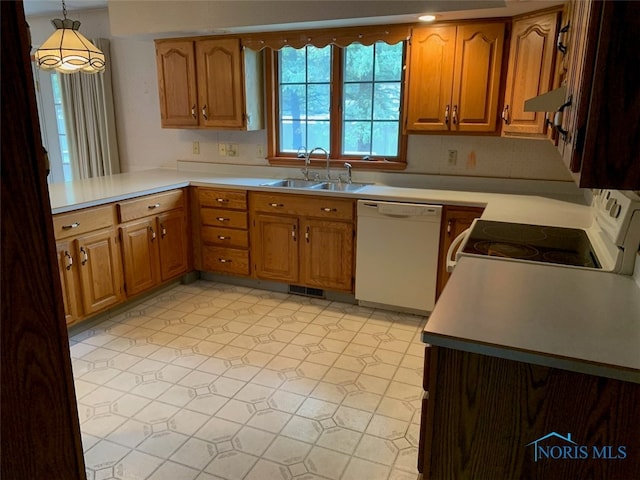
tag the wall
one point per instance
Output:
(143, 144)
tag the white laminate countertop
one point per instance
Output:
(581, 320)
(575, 319)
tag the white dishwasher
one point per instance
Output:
(397, 254)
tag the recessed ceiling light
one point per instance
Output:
(427, 18)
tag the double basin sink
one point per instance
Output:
(315, 185)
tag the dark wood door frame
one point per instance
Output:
(39, 417)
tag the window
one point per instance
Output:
(52, 124)
(346, 100)
(62, 129)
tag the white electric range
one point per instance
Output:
(609, 244)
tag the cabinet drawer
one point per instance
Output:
(219, 217)
(150, 205)
(82, 221)
(233, 199)
(225, 260)
(321, 207)
(225, 237)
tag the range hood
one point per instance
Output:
(547, 102)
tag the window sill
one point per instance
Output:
(337, 164)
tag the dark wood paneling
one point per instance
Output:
(488, 409)
(611, 151)
(40, 428)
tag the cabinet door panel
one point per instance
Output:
(100, 270)
(140, 252)
(530, 72)
(177, 83)
(476, 83)
(327, 254)
(431, 78)
(454, 221)
(172, 232)
(274, 247)
(68, 278)
(220, 91)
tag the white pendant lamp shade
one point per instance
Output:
(68, 51)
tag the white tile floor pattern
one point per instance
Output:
(211, 381)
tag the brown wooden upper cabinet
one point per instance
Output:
(209, 83)
(530, 72)
(454, 78)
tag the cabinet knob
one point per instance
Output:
(73, 225)
(155, 205)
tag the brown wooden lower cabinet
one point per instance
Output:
(455, 220)
(303, 240)
(492, 418)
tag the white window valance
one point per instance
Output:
(340, 37)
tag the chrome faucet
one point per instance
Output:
(347, 165)
(308, 161)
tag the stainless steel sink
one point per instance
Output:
(292, 183)
(340, 187)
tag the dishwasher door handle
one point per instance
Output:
(451, 263)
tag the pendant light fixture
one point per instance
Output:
(67, 50)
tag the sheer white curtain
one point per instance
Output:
(90, 120)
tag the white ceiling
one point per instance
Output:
(49, 7)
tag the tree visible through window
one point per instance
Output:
(363, 122)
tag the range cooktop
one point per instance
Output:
(535, 243)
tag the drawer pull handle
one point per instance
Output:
(193, 112)
(69, 260)
(222, 200)
(204, 113)
(222, 237)
(307, 235)
(293, 232)
(326, 209)
(73, 225)
(224, 260)
(163, 231)
(222, 219)
(155, 205)
(153, 234)
(277, 205)
(85, 255)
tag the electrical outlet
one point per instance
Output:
(196, 148)
(453, 157)
(222, 150)
(260, 151)
(232, 150)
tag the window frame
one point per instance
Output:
(277, 157)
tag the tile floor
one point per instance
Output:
(211, 381)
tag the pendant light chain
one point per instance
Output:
(64, 10)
